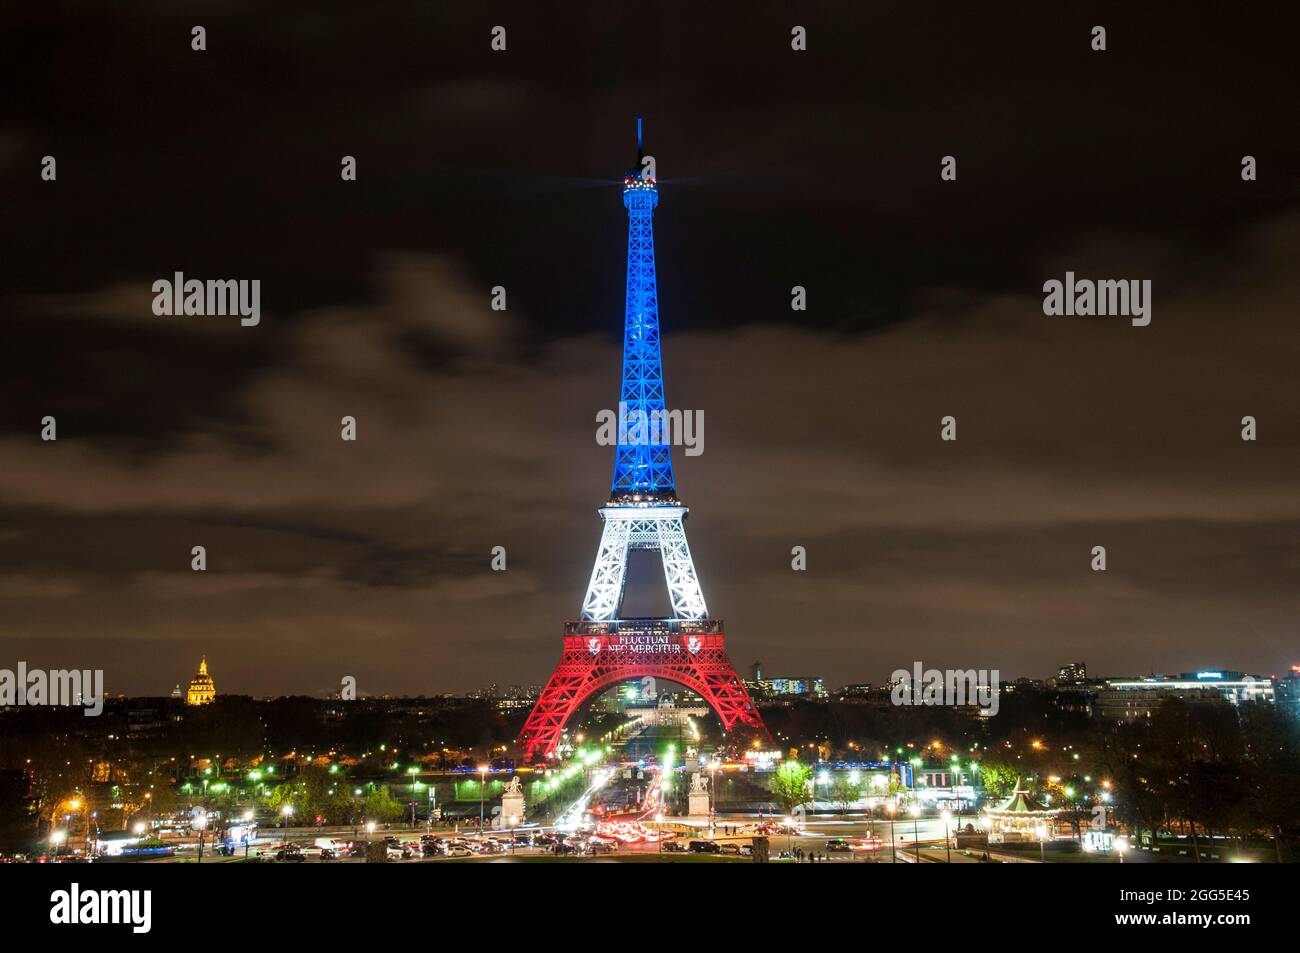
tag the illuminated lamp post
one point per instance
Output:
(947, 843)
(916, 834)
(412, 771)
(482, 789)
(57, 838)
(201, 822)
(891, 807)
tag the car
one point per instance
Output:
(837, 844)
(327, 853)
(704, 847)
(290, 855)
(457, 851)
(674, 847)
(733, 849)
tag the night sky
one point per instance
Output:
(477, 428)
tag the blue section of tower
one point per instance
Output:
(643, 465)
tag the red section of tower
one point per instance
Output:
(600, 654)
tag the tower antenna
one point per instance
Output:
(639, 146)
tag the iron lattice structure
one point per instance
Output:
(643, 467)
(643, 513)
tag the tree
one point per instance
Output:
(998, 777)
(789, 785)
(380, 806)
(845, 791)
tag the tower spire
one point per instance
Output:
(643, 466)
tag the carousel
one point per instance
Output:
(1019, 818)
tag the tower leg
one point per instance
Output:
(605, 590)
(614, 653)
(679, 571)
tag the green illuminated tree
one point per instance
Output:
(789, 785)
(845, 791)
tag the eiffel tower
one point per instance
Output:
(643, 512)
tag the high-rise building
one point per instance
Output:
(1073, 673)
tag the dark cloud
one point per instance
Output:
(476, 427)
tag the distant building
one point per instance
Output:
(756, 672)
(1073, 673)
(1286, 692)
(666, 712)
(202, 689)
(793, 685)
(1136, 698)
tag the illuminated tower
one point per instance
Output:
(643, 512)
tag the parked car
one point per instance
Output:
(674, 847)
(729, 848)
(704, 847)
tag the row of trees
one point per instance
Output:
(1208, 771)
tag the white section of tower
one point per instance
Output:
(643, 527)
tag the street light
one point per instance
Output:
(482, 785)
(947, 844)
(286, 812)
(201, 822)
(916, 835)
(891, 807)
(413, 771)
(1121, 845)
(1042, 836)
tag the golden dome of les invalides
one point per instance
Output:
(202, 689)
